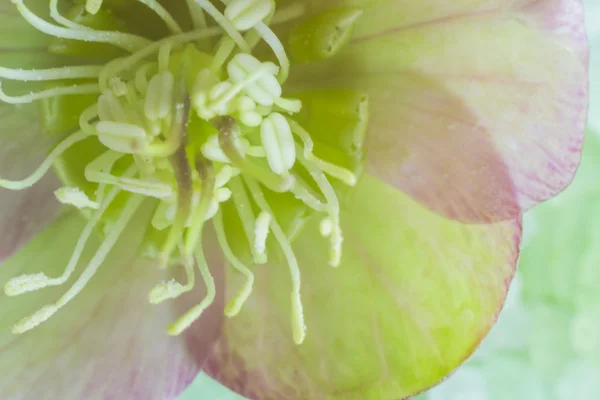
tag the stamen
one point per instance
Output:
(163, 14)
(193, 240)
(110, 108)
(333, 206)
(85, 118)
(197, 14)
(126, 41)
(98, 170)
(261, 231)
(56, 16)
(51, 74)
(48, 93)
(194, 313)
(224, 23)
(173, 289)
(278, 142)
(75, 197)
(237, 302)
(326, 227)
(179, 103)
(47, 311)
(226, 127)
(273, 41)
(63, 146)
(28, 283)
(93, 6)
(264, 91)
(141, 76)
(298, 325)
(244, 211)
(224, 49)
(245, 14)
(121, 64)
(303, 192)
(266, 69)
(159, 97)
(164, 56)
(343, 174)
(37, 318)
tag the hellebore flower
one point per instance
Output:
(354, 214)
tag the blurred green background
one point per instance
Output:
(546, 344)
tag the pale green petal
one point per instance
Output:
(412, 299)
(109, 342)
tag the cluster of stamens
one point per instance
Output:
(142, 114)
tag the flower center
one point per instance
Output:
(193, 131)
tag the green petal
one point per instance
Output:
(478, 106)
(109, 342)
(412, 299)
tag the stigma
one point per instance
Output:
(191, 122)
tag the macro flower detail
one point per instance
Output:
(300, 193)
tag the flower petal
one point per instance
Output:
(109, 342)
(478, 106)
(23, 148)
(415, 294)
(23, 213)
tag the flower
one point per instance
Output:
(474, 109)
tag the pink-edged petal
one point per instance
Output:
(22, 213)
(109, 342)
(478, 107)
(413, 297)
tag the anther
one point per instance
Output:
(265, 90)
(278, 142)
(75, 197)
(245, 14)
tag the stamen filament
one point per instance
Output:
(163, 14)
(276, 183)
(131, 206)
(194, 313)
(237, 302)
(56, 16)
(244, 211)
(343, 174)
(46, 164)
(333, 207)
(126, 41)
(197, 14)
(225, 24)
(224, 49)
(46, 312)
(173, 289)
(51, 74)
(141, 76)
(89, 88)
(120, 64)
(303, 192)
(273, 41)
(298, 325)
